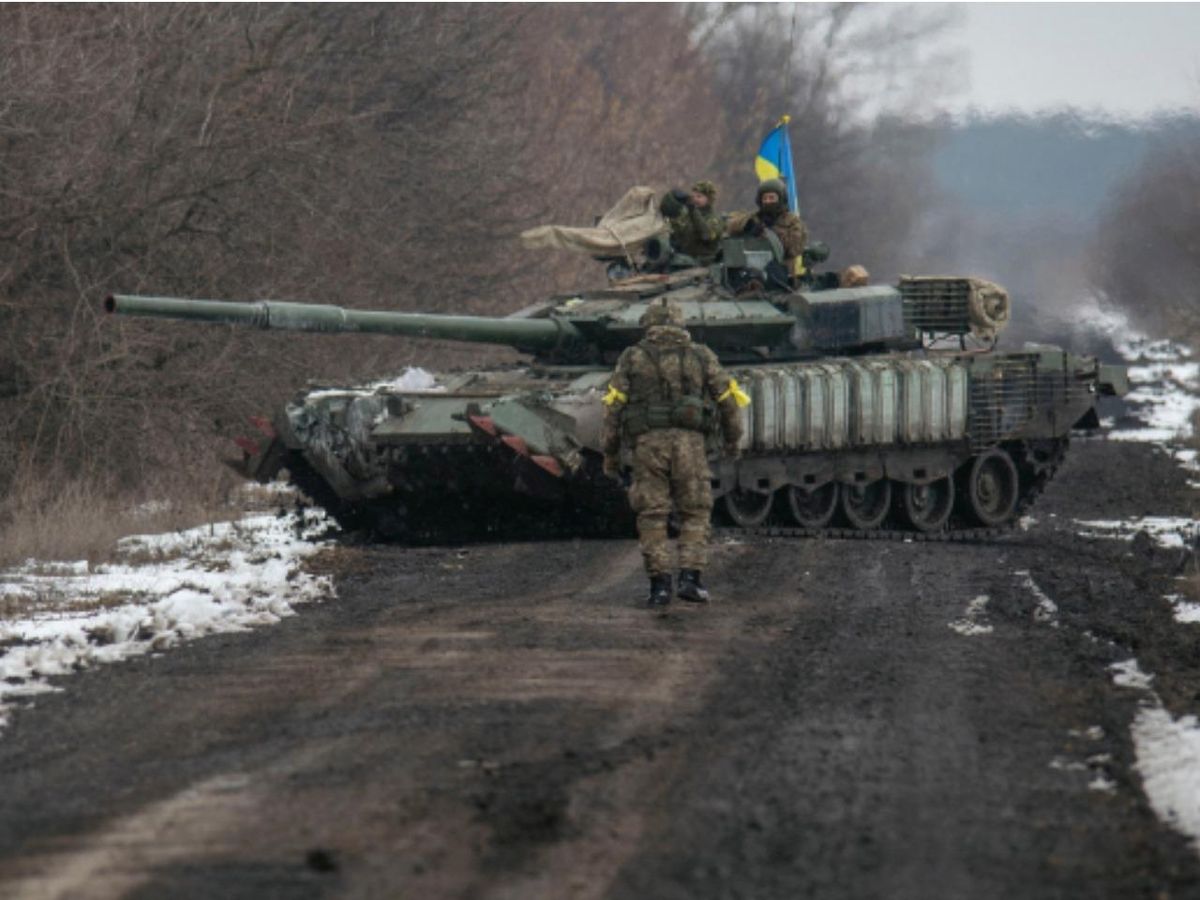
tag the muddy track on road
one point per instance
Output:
(848, 720)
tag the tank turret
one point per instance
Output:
(594, 326)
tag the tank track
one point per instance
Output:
(582, 520)
(956, 535)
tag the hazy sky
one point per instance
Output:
(1128, 59)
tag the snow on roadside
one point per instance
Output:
(1167, 531)
(1164, 377)
(1164, 390)
(1168, 754)
(1164, 401)
(163, 590)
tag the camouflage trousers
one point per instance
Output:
(670, 469)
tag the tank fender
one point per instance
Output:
(810, 472)
(762, 475)
(859, 468)
(1112, 380)
(922, 466)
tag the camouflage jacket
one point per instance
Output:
(683, 369)
(697, 232)
(789, 227)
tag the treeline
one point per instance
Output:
(378, 156)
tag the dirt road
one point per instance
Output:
(848, 720)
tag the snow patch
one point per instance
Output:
(974, 618)
(163, 590)
(1168, 759)
(1128, 674)
(1184, 610)
(414, 380)
(1167, 531)
(1168, 396)
(1165, 391)
(1168, 755)
(1046, 610)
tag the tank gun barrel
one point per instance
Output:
(525, 334)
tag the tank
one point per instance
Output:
(875, 410)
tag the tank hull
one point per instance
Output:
(484, 455)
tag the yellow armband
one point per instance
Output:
(613, 397)
(740, 397)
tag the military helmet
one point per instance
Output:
(772, 185)
(854, 276)
(707, 188)
(662, 311)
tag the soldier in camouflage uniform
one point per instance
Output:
(773, 213)
(696, 228)
(656, 406)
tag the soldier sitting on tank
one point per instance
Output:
(773, 213)
(655, 407)
(696, 228)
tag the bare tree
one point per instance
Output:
(363, 155)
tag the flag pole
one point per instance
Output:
(789, 174)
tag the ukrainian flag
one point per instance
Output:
(774, 160)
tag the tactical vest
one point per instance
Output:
(664, 405)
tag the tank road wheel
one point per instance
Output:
(812, 509)
(927, 507)
(992, 487)
(866, 505)
(747, 508)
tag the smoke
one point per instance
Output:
(1033, 202)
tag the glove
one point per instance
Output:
(670, 206)
(753, 226)
(612, 465)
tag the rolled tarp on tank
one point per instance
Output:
(620, 232)
(989, 309)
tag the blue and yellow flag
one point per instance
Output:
(774, 160)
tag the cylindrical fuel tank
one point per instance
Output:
(843, 404)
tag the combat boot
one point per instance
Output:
(660, 590)
(690, 588)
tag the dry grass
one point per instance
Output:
(78, 519)
(338, 561)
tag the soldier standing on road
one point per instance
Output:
(773, 213)
(696, 228)
(656, 406)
